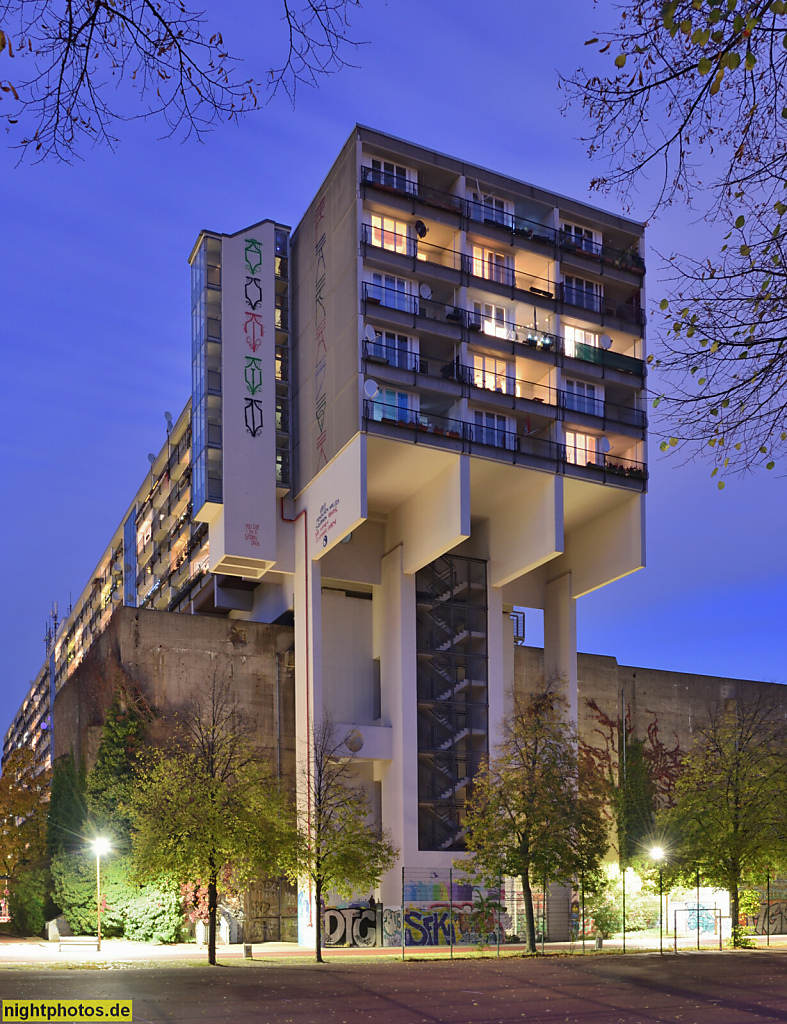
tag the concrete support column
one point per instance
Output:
(395, 630)
(308, 697)
(500, 663)
(560, 638)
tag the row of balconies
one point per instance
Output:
(521, 229)
(381, 301)
(553, 402)
(492, 441)
(413, 255)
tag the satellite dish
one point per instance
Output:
(151, 458)
(606, 341)
(604, 445)
(425, 291)
(370, 334)
(370, 388)
(421, 228)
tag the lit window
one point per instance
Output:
(581, 449)
(492, 320)
(578, 336)
(492, 374)
(391, 175)
(388, 233)
(392, 291)
(492, 266)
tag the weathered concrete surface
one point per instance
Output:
(673, 702)
(170, 657)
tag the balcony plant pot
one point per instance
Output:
(438, 430)
(474, 326)
(372, 300)
(453, 433)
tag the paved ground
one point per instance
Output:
(691, 988)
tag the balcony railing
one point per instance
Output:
(389, 182)
(588, 406)
(531, 230)
(595, 460)
(506, 442)
(624, 259)
(506, 330)
(378, 352)
(407, 245)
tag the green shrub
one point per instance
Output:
(29, 901)
(143, 913)
(154, 916)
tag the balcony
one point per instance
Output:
(603, 305)
(623, 259)
(602, 409)
(495, 443)
(384, 181)
(469, 320)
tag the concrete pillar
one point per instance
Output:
(395, 634)
(560, 638)
(500, 664)
(308, 696)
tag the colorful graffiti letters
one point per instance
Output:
(351, 926)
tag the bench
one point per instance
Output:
(77, 940)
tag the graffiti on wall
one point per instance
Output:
(772, 918)
(352, 926)
(392, 926)
(253, 332)
(447, 924)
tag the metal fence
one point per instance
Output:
(451, 911)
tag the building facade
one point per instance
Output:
(419, 410)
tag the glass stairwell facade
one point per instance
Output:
(453, 732)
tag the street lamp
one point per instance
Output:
(657, 854)
(100, 845)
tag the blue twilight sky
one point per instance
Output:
(95, 318)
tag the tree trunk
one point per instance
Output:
(212, 906)
(735, 914)
(318, 913)
(530, 921)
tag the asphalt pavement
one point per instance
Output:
(688, 988)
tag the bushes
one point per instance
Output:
(143, 913)
(30, 900)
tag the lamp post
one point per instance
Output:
(100, 845)
(657, 853)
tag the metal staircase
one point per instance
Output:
(451, 629)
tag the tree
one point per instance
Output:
(698, 94)
(75, 62)
(730, 820)
(341, 850)
(67, 806)
(24, 792)
(211, 803)
(537, 806)
(110, 784)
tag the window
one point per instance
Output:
(397, 349)
(400, 406)
(575, 336)
(580, 292)
(583, 397)
(581, 449)
(387, 233)
(582, 238)
(493, 266)
(491, 428)
(392, 291)
(493, 374)
(391, 175)
(492, 320)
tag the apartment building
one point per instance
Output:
(420, 409)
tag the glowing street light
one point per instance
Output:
(101, 845)
(657, 854)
